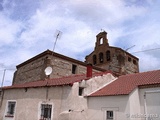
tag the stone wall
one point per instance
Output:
(30, 72)
(33, 69)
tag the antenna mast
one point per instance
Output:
(130, 47)
(57, 35)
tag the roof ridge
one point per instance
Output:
(127, 83)
(139, 73)
(70, 76)
(57, 81)
(100, 88)
(77, 75)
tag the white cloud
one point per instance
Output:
(148, 63)
(28, 29)
(8, 30)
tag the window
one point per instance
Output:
(0, 92)
(108, 56)
(109, 115)
(81, 89)
(10, 109)
(134, 62)
(94, 59)
(129, 59)
(46, 111)
(101, 57)
(74, 67)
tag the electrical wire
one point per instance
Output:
(146, 50)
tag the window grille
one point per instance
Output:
(11, 108)
(46, 111)
(109, 115)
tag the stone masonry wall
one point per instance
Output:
(118, 62)
(34, 70)
(29, 72)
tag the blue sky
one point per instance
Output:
(28, 28)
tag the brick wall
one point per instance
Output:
(112, 58)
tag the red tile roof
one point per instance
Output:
(127, 83)
(55, 81)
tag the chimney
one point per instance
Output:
(89, 70)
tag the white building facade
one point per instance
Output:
(101, 97)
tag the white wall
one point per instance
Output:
(152, 102)
(77, 104)
(98, 82)
(27, 103)
(62, 98)
(127, 107)
(134, 103)
(97, 107)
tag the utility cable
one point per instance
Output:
(147, 50)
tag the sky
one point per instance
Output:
(29, 27)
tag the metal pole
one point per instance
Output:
(3, 78)
(145, 106)
(56, 41)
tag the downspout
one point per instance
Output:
(145, 101)
(145, 105)
(2, 91)
(2, 94)
(47, 90)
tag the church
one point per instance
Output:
(106, 86)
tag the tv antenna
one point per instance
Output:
(130, 47)
(58, 34)
(48, 70)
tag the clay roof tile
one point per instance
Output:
(127, 83)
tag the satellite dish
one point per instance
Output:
(48, 70)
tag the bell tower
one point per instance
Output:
(112, 58)
(101, 39)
